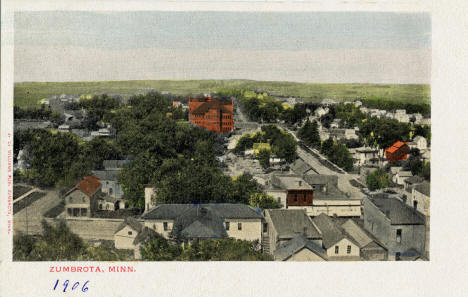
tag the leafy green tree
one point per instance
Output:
(263, 157)
(377, 180)
(228, 249)
(309, 134)
(263, 201)
(426, 171)
(159, 249)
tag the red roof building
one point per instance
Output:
(398, 151)
(212, 114)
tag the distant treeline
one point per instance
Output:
(34, 113)
(387, 104)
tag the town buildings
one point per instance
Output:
(212, 113)
(399, 227)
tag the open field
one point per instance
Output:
(29, 93)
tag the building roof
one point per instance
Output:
(114, 164)
(398, 212)
(89, 185)
(224, 210)
(321, 179)
(331, 193)
(289, 182)
(357, 233)
(199, 222)
(414, 180)
(300, 167)
(424, 188)
(145, 234)
(112, 175)
(132, 222)
(396, 146)
(405, 174)
(290, 222)
(330, 232)
(213, 104)
(293, 246)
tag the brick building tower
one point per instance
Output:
(211, 113)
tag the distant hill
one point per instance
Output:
(29, 93)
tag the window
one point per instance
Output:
(165, 226)
(415, 204)
(348, 249)
(397, 257)
(227, 226)
(76, 212)
(398, 235)
(239, 226)
(84, 212)
(337, 249)
(295, 197)
(130, 232)
(154, 227)
(265, 227)
(279, 200)
(69, 210)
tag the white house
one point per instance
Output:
(338, 244)
(401, 176)
(418, 142)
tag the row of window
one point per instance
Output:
(228, 226)
(77, 212)
(337, 249)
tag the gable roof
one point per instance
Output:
(223, 210)
(295, 245)
(290, 222)
(145, 234)
(89, 185)
(114, 164)
(290, 182)
(330, 231)
(132, 222)
(112, 175)
(213, 104)
(396, 146)
(199, 222)
(300, 167)
(357, 233)
(424, 188)
(397, 212)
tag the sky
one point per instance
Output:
(354, 47)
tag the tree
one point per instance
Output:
(309, 134)
(263, 157)
(426, 171)
(159, 249)
(228, 249)
(377, 180)
(263, 201)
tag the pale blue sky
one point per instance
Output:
(239, 34)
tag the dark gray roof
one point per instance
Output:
(331, 193)
(300, 167)
(299, 242)
(414, 180)
(330, 232)
(288, 182)
(424, 188)
(132, 222)
(320, 179)
(357, 233)
(223, 210)
(199, 222)
(114, 164)
(145, 235)
(112, 175)
(289, 222)
(398, 212)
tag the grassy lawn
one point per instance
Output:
(29, 93)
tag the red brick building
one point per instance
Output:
(212, 114)
(398, 151)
